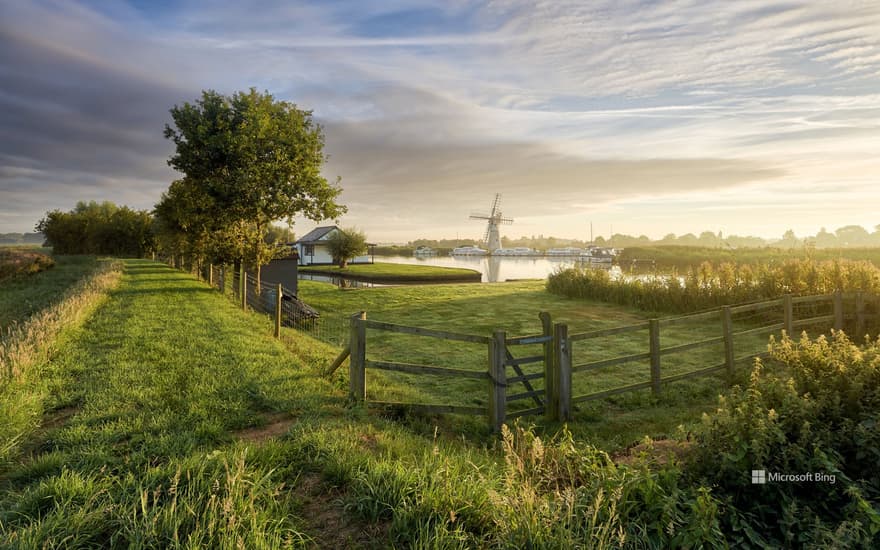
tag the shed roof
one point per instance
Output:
(316, 234)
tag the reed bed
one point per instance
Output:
(713, 285)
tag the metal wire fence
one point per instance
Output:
(329, 327)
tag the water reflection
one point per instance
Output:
(496, 269)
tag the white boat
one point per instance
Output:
(424, 251)
(568, 251)
(469, 251)
(598, 255)
(523, 251)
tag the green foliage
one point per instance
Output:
(99, 228)
(248, 160)
(711, 285)
(819, 416)
(345, 244)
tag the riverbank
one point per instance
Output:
(388, 273)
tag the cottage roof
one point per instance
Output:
(316, 234)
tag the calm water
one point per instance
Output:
(493, 268)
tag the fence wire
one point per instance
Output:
(327, 327)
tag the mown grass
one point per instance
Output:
(22, 297)
(380, 271)
(514, 307)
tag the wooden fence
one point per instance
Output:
(559, 349)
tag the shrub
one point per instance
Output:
(21, 263)
(821, 417)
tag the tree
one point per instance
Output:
(852, 235)
(98, 228)
(258, 160)
(345, 244)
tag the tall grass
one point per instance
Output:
(711, 285)
(26, 344)
(18, 262)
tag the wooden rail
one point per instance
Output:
(555, 399)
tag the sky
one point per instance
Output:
(651, 117)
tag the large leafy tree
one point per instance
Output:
(256, 159)
(346, 244)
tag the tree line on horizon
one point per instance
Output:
(849, 236)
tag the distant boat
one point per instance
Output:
(469, 251)
(425, 251)
(568, 251)
(598, 255)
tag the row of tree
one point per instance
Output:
(99, 228)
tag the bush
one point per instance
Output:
(820, 418)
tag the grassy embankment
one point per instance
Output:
(396, 273)
(20, 297)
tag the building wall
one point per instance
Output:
(322, 256)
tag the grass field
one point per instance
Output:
(21, 297)
(514, 307)
(170, 418)
(385, 272)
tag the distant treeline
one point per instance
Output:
(850, 236)
(99, 228)
(21, 238)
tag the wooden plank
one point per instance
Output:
(525, 412)
(526, 395)
(692, 345)
(278, 301)
(357, 382)
(339, 360)
(515, 362)
(429, 408)
(654, 343)
(525, 340)
(612, 361)
(607, 332)
(686, 318)
(759, 306)
(695, 373)
(551, 397)
(562, 362)
(615, 391)
(497, 381)
(524, 377)
(812, 298)
(788, 315)
(777, 326)
(431, 333)
(423, 369)
(813, 320)
(838, 310)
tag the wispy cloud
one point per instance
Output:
(595, 107)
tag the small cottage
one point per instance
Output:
(312, 248)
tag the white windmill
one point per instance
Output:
(492, 238)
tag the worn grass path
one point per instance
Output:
(141, 441)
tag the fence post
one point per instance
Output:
(357, 382)
(551, 399)
(497, 380)
(788, 315)
(223, 279)
(838, 310)
(860, 316)
(211, 275)
(562, 377)
(654, 343)
(727, 329)
(278, 298)
(242, 284)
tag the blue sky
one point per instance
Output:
(748, 117)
